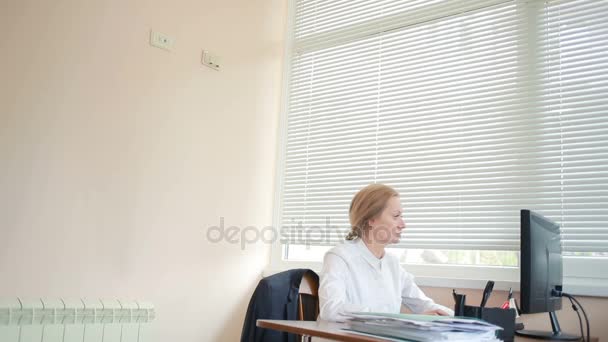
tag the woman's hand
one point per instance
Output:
(437, 312)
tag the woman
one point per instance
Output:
(358, 275)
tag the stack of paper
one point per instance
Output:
(422, 328)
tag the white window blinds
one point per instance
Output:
(472, 110)
(574, 90)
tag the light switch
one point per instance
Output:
(161, 40)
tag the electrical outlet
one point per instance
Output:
(161, 40)
(211, 60)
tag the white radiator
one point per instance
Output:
(74, 320)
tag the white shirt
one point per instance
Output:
(353, 279)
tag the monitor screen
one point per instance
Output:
(541, 263)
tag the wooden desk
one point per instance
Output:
(333, 331)
(329, 330)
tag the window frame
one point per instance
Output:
(587, 276)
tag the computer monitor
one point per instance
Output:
(541, 272)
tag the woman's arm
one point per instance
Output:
(333, 288)
(413, 297)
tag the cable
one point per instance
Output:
(584, 314)
(580, 321)
(572, 298)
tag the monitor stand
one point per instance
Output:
(556, 334)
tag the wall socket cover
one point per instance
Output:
(211, 60)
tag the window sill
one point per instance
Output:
(575, 286)
(475, 277)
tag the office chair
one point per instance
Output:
(308, 298)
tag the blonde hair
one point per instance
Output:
(368, 203)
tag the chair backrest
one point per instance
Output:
(308, 298)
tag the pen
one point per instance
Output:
(486, 293)
(507, 303)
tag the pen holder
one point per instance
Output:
(504, 318)
(459, 304)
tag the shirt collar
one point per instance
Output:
(368, 255)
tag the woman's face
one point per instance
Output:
(387, 227)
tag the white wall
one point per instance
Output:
(116, 156)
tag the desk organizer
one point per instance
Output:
(504, 318)
(71, 320)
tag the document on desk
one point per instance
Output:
(422, 328)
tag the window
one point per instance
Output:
(472, 110)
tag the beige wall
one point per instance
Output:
(594, 306)
(116, 156)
